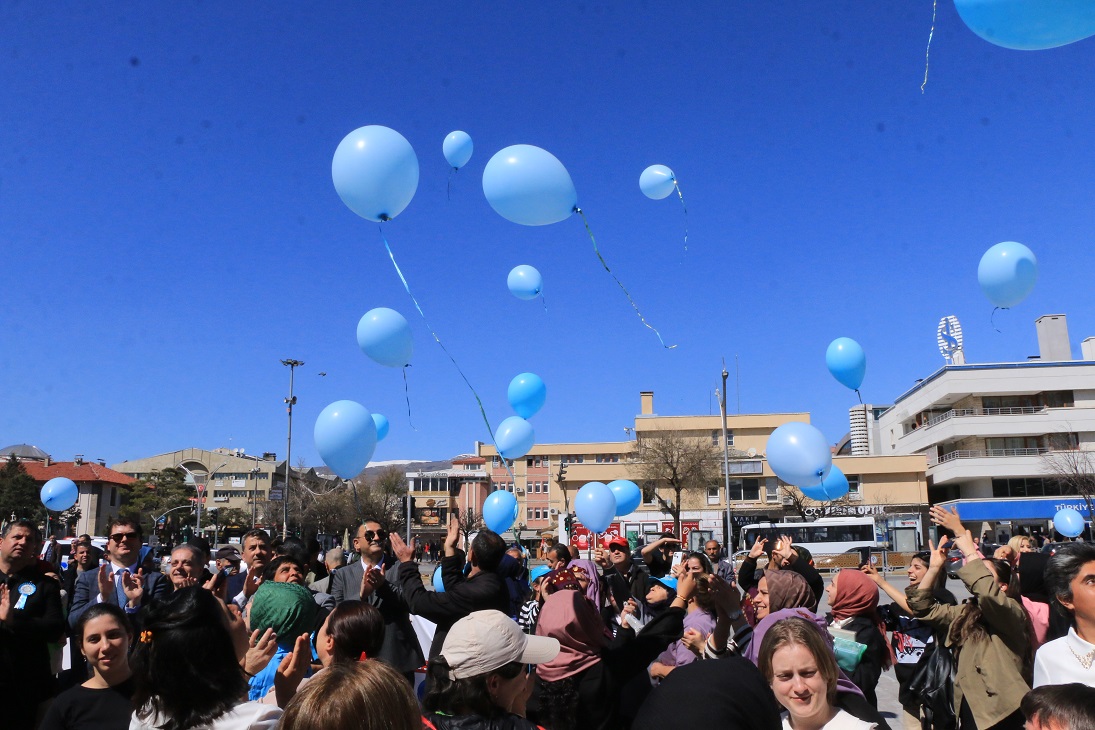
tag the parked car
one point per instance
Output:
(852, 558)
(956, 560)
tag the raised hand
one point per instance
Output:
(5, 602)
(872, 573)
(600, 557)
(292, 669)
(758, 547)
(938, 558)
(260, 650)
(403, 552)
(725, 596)
(370, 581)
(106, 582)
(133, 587)
(694, 640)
(946, 518)
(452, 535)
(252, 582)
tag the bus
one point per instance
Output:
(823, 536)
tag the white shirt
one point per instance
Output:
(116, 575)
(1057, 662)
(841, 721)
(245, 716)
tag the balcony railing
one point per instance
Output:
(965, 412)
(985, 453)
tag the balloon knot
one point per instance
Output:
(384, 217)
(577, 210)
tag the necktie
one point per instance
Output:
(122, 600)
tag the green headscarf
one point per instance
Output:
(287, 608)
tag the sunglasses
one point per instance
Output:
(120, 536)
(378, 536)
(617, 549)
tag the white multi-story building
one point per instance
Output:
(989, 431)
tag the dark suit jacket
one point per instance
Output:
(462, 596)
(400, 648)
(86, 593)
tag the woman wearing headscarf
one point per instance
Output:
(585, 571)
(290, 611)
(853, 604)
(776, 590)
(699, 619)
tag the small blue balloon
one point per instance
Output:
(847, 362)
(595, 505)
(628, 496)
(375, 171)
(528, 185)
(527, 394)
(657, 181)
(832, 488)
(500, 511)
(381, 423)
(457, 148)
(438, 582)
(1029, 25)
(59, 494)
(514, 437)
(799, 454)
(385, 336)
(525, 282)
(345, 437)
(1068, 522)
(1007, 273)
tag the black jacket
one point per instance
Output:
(400, 648)
(476, 722)
(866, 674)
(462, 596)
(26, 675)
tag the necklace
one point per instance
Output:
(1084, 659)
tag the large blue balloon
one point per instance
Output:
(382, 425)
(457, 148)
(847, 362)
(438, 581)
(1007, 273)
(799, 454)
(385, 336)
(514, 437)
(1068, 522)
(627, 494)
(528, 185)
(1029, 25)
(527, 394)
(657, 181)
(375, 172)
(500, 511)
(59, 494)
(595, 506)
(832, 488)
(525, 282)
(345, 437)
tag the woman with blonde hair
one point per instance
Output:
(354, 696)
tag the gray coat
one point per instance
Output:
(400, 649)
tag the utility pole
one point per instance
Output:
(726, 466)
(290, 402)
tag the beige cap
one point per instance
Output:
(484, 641)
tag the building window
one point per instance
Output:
(528, 513)
(494, 462)
(745, 490)
(649, 497)
(714, 438)
(771, 490)
(853, 483)
(745, 467)
(113, 496)
(712, 495)
(1026, 487)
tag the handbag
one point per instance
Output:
(932, 687)
(849, 652)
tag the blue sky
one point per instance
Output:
(171, 231)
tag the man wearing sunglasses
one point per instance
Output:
(369, 579)
(120, 580)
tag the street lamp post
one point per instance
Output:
(289, 402)
(726, 467)
(200, 491)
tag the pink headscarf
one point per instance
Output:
(569, 617)
(857, 595)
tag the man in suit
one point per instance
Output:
(120, 580)
(334, 559)
(724, 568)
(368, 579)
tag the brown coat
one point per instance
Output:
(991, 674)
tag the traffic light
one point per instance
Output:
(568, 522)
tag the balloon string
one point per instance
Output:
(992, 318)
(605, 264)
(437, 339)
(860, 396)
(357, 502)
(448, 185)
(681, 196)
(928, 50)
(407, 394)
(542, 299)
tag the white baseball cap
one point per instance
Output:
(484, 641)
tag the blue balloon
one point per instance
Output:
(657, 181)
(528, 185)
(345, 437)
(59, 494)
(799, 454)
(1029, 25)
(525, 282)
(375, 172)
(438, 582)
(1068, 522)
(381, 423)
(595, 505)
(500, 511)
(385, 336)
(527, 394)
(628, 496)
(514, 437)
(847, 362)
(832, 488)
(1007, 273)
(457, 148)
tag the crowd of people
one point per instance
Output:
(273, 636)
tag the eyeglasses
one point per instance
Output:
(379, 535)
(617, 549)
(119, 536)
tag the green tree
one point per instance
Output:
(20, 494)
(147, 499)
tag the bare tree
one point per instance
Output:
(1073, 468)
(680, 464)
(470, 521)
